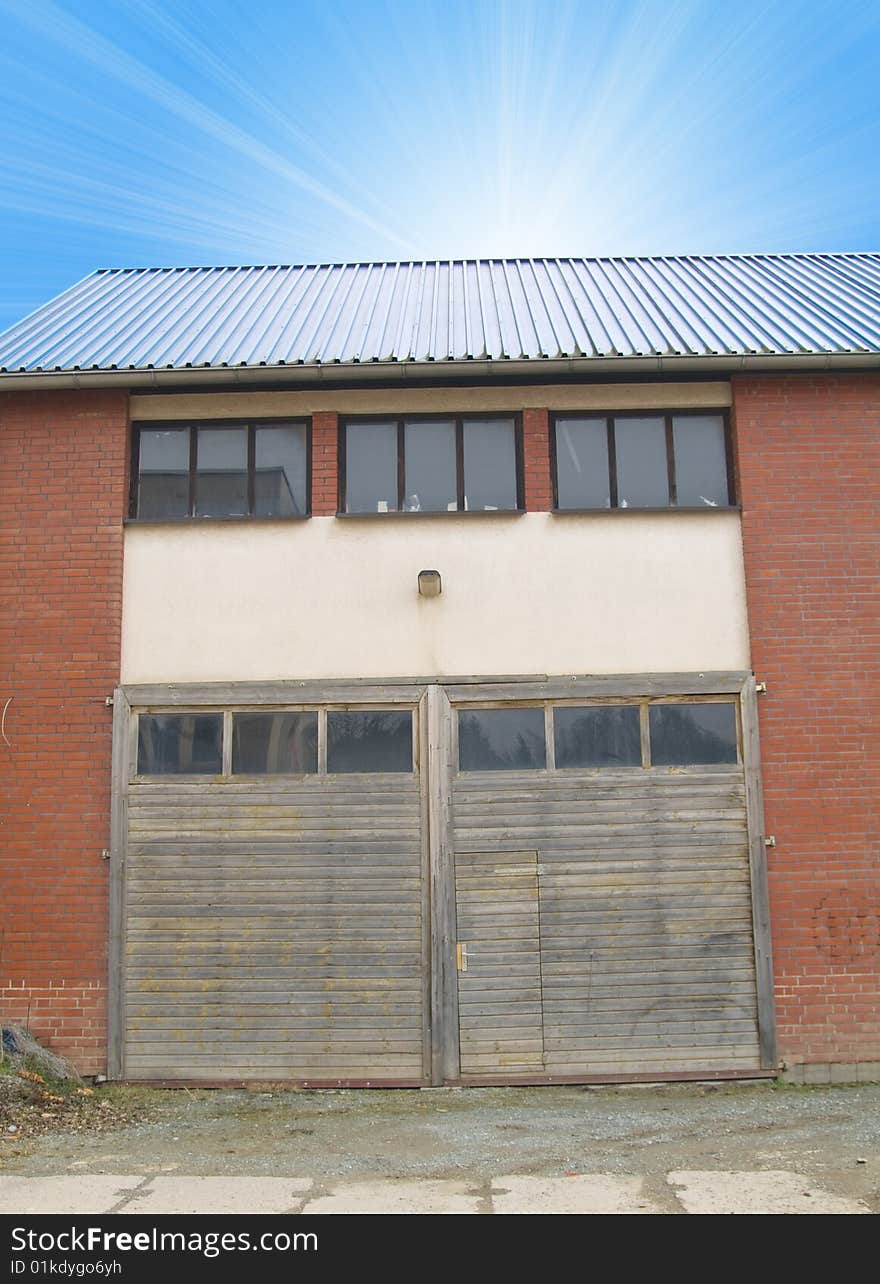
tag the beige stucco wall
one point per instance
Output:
(529, 594)
(379, 401)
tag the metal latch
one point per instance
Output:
(461, 956)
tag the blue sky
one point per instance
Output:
(140, 132)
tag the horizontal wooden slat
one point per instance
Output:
(597, 686)
(211, 1066)
(223, 856)
(239, 1020)
(345, 789)
(265, 1002)
(473, 786)
(289, 692)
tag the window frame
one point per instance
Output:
(458, 420)
(231, 709)
(247, 422)
(610, 416)
(643, 703)
(181, 712)
(492, 706)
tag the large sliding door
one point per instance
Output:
(273, 895)
(472, 882)
(607, 922)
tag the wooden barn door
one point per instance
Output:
(610, 921)
(501, 1021)
(272, 923)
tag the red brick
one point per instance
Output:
(808, 454)
(536, 461)
(325, 449)
(63, 460)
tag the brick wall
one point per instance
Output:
(63, 465)
(325, 450)
(536, 461)
(809, 462)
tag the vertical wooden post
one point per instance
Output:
(123, 752)
(422, 759)
(445, 1065)
(758, 867)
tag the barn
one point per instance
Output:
(446, 672)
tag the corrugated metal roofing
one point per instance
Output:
(457, 310)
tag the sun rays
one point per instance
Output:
(141, 131)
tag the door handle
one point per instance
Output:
(461, 958)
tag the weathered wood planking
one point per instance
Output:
(499, 890)
(645, 959)
(275, 928)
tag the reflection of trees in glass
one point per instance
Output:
(369, 740)
(501, 739)
(597, 737)
(688, 734)
(275, 743)
(171, 744)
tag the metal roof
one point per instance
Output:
(483, 310)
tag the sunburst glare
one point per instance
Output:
(145, 131)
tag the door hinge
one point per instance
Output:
(461, 956)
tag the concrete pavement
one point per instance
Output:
(705, 1191)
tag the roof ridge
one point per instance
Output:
(738, 256)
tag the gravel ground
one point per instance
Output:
(830, 1133)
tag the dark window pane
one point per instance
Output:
(682, 734)
(501, 739)
(280, 477)
(221, 472)
(180, 743)
(582, 463)
(597, 736)
(163, 473)
(371, 468)
(430, 468)
(274, 744)
(489, 464)
(700, 461)
(642, 472)
(369, 741)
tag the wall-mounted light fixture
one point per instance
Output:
(430, 584)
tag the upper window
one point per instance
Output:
(220, 470)
(180, 744)
(274, 744)
(369, 740)
(642, 733)
(501, 739)
(692, 733)
(454, 464)
(641, 461)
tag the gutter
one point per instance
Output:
(432, 371)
